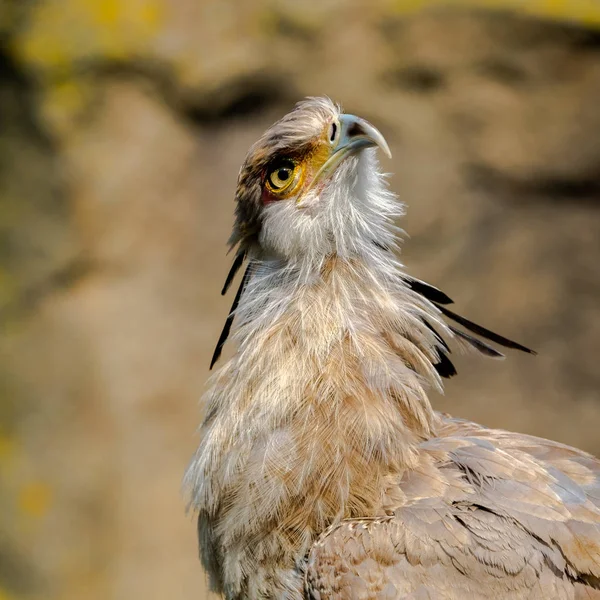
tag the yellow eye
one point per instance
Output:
(283, 176)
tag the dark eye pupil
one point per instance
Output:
(333, 131)
(280, 176)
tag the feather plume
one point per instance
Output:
(482, 331)
(229, 321)
(235, 267)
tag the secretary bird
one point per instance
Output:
(323, 471)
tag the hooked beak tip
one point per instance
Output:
(357, 133)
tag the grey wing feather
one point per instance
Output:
(486, 514)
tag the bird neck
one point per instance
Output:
(320, 337)
(338, 359)
(319, 411)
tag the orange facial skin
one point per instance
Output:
(307, 164)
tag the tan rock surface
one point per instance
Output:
(123, 126)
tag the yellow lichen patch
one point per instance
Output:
(7, 447)
(107, 12)
(60, 32)
(151, 13)
(34, 499)
(63, 103)
(4, 595)
(580, 11)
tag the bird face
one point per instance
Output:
(304, 178)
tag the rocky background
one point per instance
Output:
(122, 127)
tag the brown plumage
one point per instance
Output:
(323, 471)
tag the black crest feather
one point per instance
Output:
(430, 292)
(439, 299)
(229, 322)
(235, 267)
(482, 331)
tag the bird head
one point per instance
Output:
(311, 186)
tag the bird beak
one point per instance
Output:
(355, 134)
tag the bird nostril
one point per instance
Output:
(333, 132)
(355, 130)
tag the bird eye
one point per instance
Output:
(282, 176)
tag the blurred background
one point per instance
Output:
(122, 127)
